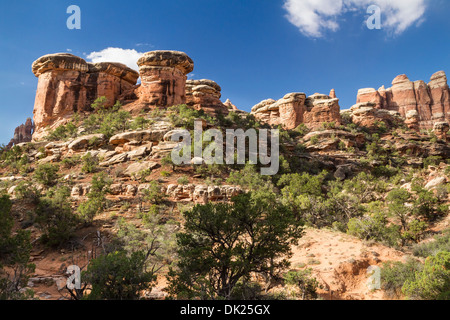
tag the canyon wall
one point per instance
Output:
(421, 104)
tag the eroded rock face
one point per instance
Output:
(441, 130)
(163, 75)
(367, 114)
(22, 133)
(295, 109)
(68, 84)
(421, 104)
(320, 109)
(205, 95)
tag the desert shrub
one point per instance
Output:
(395, 274)
(118, 276)
(55, 217)
(47, 174)
(153, 194)
(304, 283)
(15, 249)
(427, 205)
(255, 236)
(107, 120)
(183, 180)
(90, 163)
(141, 123)
(374, 226)
(96, 202)
(69, 163)
(63, 132)
(440, 243)
(433, 282)
(314, 140)
(26, 191)
(183, 116)
(156, 236)
(432, 161)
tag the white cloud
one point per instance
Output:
(128, 57)
(314, 17)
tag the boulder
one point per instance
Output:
(86, 142)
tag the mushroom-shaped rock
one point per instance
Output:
(59, 61)
(68, 84)
(163, 75)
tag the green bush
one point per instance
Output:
(440, 243)
(15, 248)
(305, 284)
(183, 180)
(47, 174)
(90, 163)
(153, 194)
(395, 274)
(96, 202)
(118, 276)
(374, 226)
(107, 120)
(433, 282)
(63, 132)
(55, 217)
(69, 163)
(223, 244)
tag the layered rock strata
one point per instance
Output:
(68, 84)
(163, 77)
(295, 108)
(205, 95)
(420, 104)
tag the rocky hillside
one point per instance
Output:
(368, 186)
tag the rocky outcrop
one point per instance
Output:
(205, 95)
(419, 103)
(441, 130)
(366, 114)
(163, 78)
(321, 109)
(68, 84)
(294, 109)
(22, 133)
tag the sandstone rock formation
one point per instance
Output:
(205, 95)
(163, 76)
(68, 84)
(367, 114)
(441, 130)
(22, 133)
(294, 109)
(419, 103)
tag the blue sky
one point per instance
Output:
(252, 48)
